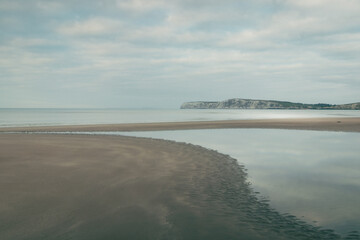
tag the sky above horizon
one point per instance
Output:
(161, 53)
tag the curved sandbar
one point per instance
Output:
(321, 124)
(113, 187)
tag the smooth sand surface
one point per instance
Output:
(322, 124)
(112, 187)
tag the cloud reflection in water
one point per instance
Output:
(312, 175)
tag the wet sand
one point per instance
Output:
(319, 124)
(113, 187)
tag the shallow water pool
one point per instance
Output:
(312, 175)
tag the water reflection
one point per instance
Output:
(312, 175)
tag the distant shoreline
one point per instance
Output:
(343, 124)
(240, 103)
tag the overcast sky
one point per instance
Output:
(160, 53)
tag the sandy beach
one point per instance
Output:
(320, 124)
(114, 187)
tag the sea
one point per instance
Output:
(312, 175)
(11, 117)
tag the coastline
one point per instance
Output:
(348, 124)
(97, 186)
(115, 187)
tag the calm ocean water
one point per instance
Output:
(36, 117)
(312, 175)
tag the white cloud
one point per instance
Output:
(142, 5)
(16, 59)
(93, 26)
(328, 4)
(49, 6)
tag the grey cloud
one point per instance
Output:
(305, 51)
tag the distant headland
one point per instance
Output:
(238, 103)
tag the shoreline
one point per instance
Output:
(99, 186)
(117, 187)
(345, 124)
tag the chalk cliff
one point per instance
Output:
(238, 103)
